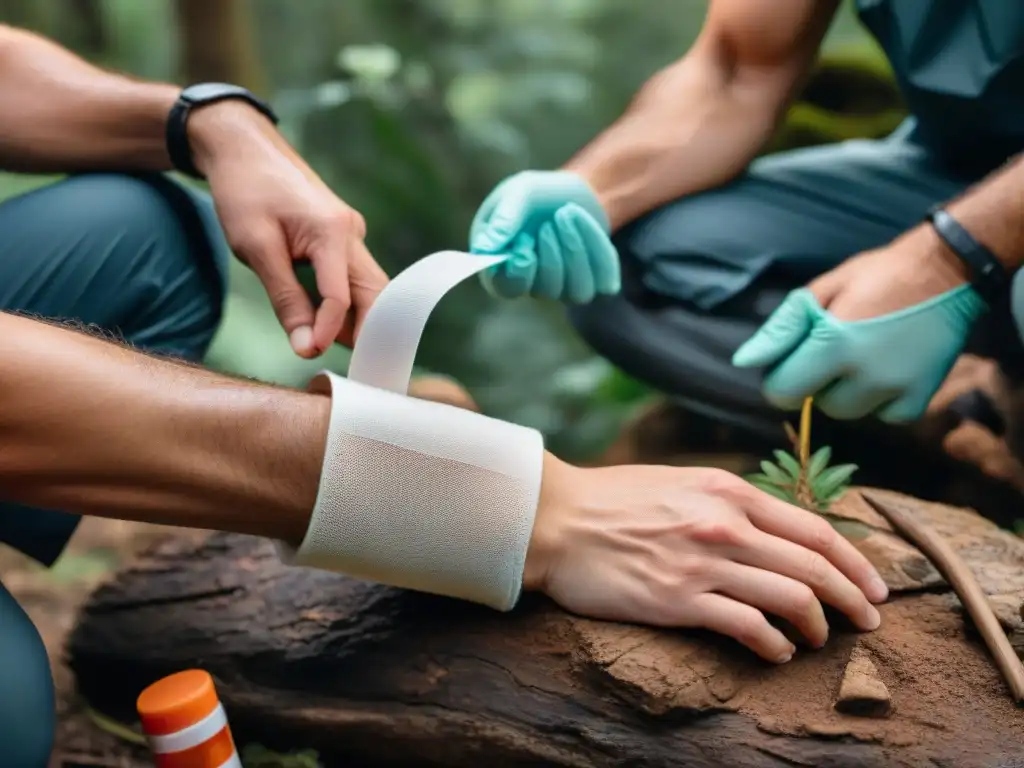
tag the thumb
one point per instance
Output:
(366, 281)
(504, 223)
(781, 333)
(910, 407)
(275, 269)
(483, 213)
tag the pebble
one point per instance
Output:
(862, 692)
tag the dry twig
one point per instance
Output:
(959, 576)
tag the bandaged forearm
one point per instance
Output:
(423, 495)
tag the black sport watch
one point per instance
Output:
(988, 276)
(198, 95)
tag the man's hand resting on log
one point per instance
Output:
(695, 547)
(92, 427)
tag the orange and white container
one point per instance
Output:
(185, 723)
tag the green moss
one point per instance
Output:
(850, 95)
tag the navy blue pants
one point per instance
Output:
(701, 274)
(137, 256)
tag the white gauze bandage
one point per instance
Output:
(413, 493)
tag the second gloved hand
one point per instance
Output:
(557, 233)
(876, 335)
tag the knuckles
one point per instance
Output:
(803, 601)
(726, 485)
(345, 220)
(749, 628)
(824, 538)
(692, 569)
(816, 570)
(285, 297)
(252, 240)
(670, 575)
(721, 533)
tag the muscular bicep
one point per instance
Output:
(769, 45)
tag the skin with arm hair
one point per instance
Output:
(700, 121)
(63, 114)
(95, 428)
(694, 125)
(92, 427)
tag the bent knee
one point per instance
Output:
(117, 209)
(703, 249)
(27, 708)
(160, 286)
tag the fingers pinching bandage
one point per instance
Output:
(413, 493)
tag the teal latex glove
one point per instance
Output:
(557, 235)
(890, 365)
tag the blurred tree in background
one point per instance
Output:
(412, 110)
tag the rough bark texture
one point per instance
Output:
(375, 676)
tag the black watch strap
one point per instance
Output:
(988, 275)
(178, 146)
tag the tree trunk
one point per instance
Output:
(84, 30)
(373, 676)
(217, 43)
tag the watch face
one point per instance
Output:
(206, 91)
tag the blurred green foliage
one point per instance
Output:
(412, 110)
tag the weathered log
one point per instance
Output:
(370, 675)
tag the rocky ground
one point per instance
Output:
(52, 597)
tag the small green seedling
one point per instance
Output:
(801, 478)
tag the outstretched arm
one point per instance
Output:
(89, 426)
(92, 427)
(700, 121)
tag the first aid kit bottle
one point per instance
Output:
(185, 724)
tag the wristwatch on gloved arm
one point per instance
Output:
(986, 273)
(190, 99)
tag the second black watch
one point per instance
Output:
(198, 95)
(988, 276)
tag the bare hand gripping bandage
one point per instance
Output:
(413, 493)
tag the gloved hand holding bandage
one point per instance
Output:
(413, 493)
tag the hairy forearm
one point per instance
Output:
(691, 127)
(61, 114)
(92, 427)
(992, 211)
(698, 123)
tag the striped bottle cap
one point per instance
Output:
(185, 723)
